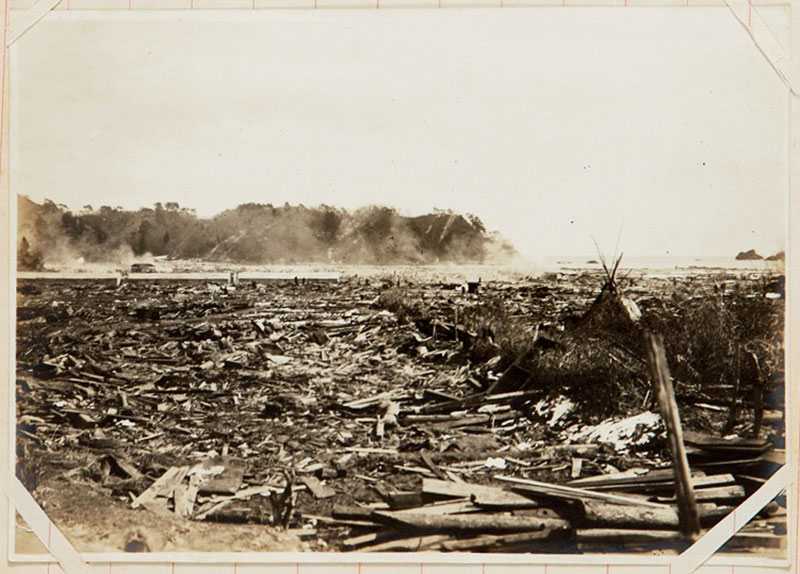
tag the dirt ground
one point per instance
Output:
(95, 523)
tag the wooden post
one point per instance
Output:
(689, 521)
(733, 413)
(756, 376)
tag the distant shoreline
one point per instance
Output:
(189, 269)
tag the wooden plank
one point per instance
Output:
(451, 475)
(164, 486)
(535, 487)
(228, 480)
(577, 465)
(582, 450)
(493, 541)
(336, 522)
(699, 482)
(415, 470)
(402, 500)
(426, 458)
(317, 488)
(733, 409)
(124, 467)
(720, 494)
(465, 421)
(222, 502)
(438, 395)
(470, 522)
(367, 538)
(406, 544)
(466, 490)
(625, 535)
(734, 463)
(477, 399)
(360, 404)
(185, 496)
(711, 442)
(457, 506)
(629, 477)
(351, 512)
(758, 481)
(503, 500)
(369, 450)
(264, 489)
(662, 386)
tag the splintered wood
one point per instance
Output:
(162, 488)
(687, 504)
(393, 413)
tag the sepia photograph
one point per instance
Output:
(480, 281)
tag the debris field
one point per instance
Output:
(394, 413)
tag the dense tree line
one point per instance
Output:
(251, 233)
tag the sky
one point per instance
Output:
(666, 128)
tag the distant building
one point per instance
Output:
(143, 268)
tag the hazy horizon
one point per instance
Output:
(608, 253)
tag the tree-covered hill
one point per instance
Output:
(252, 233)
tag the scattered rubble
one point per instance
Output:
(313, 407)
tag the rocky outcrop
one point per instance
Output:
(750, 255)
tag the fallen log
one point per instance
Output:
(619, 516)
(469, 523)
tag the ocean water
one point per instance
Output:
(662, 266)
(668, 264)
